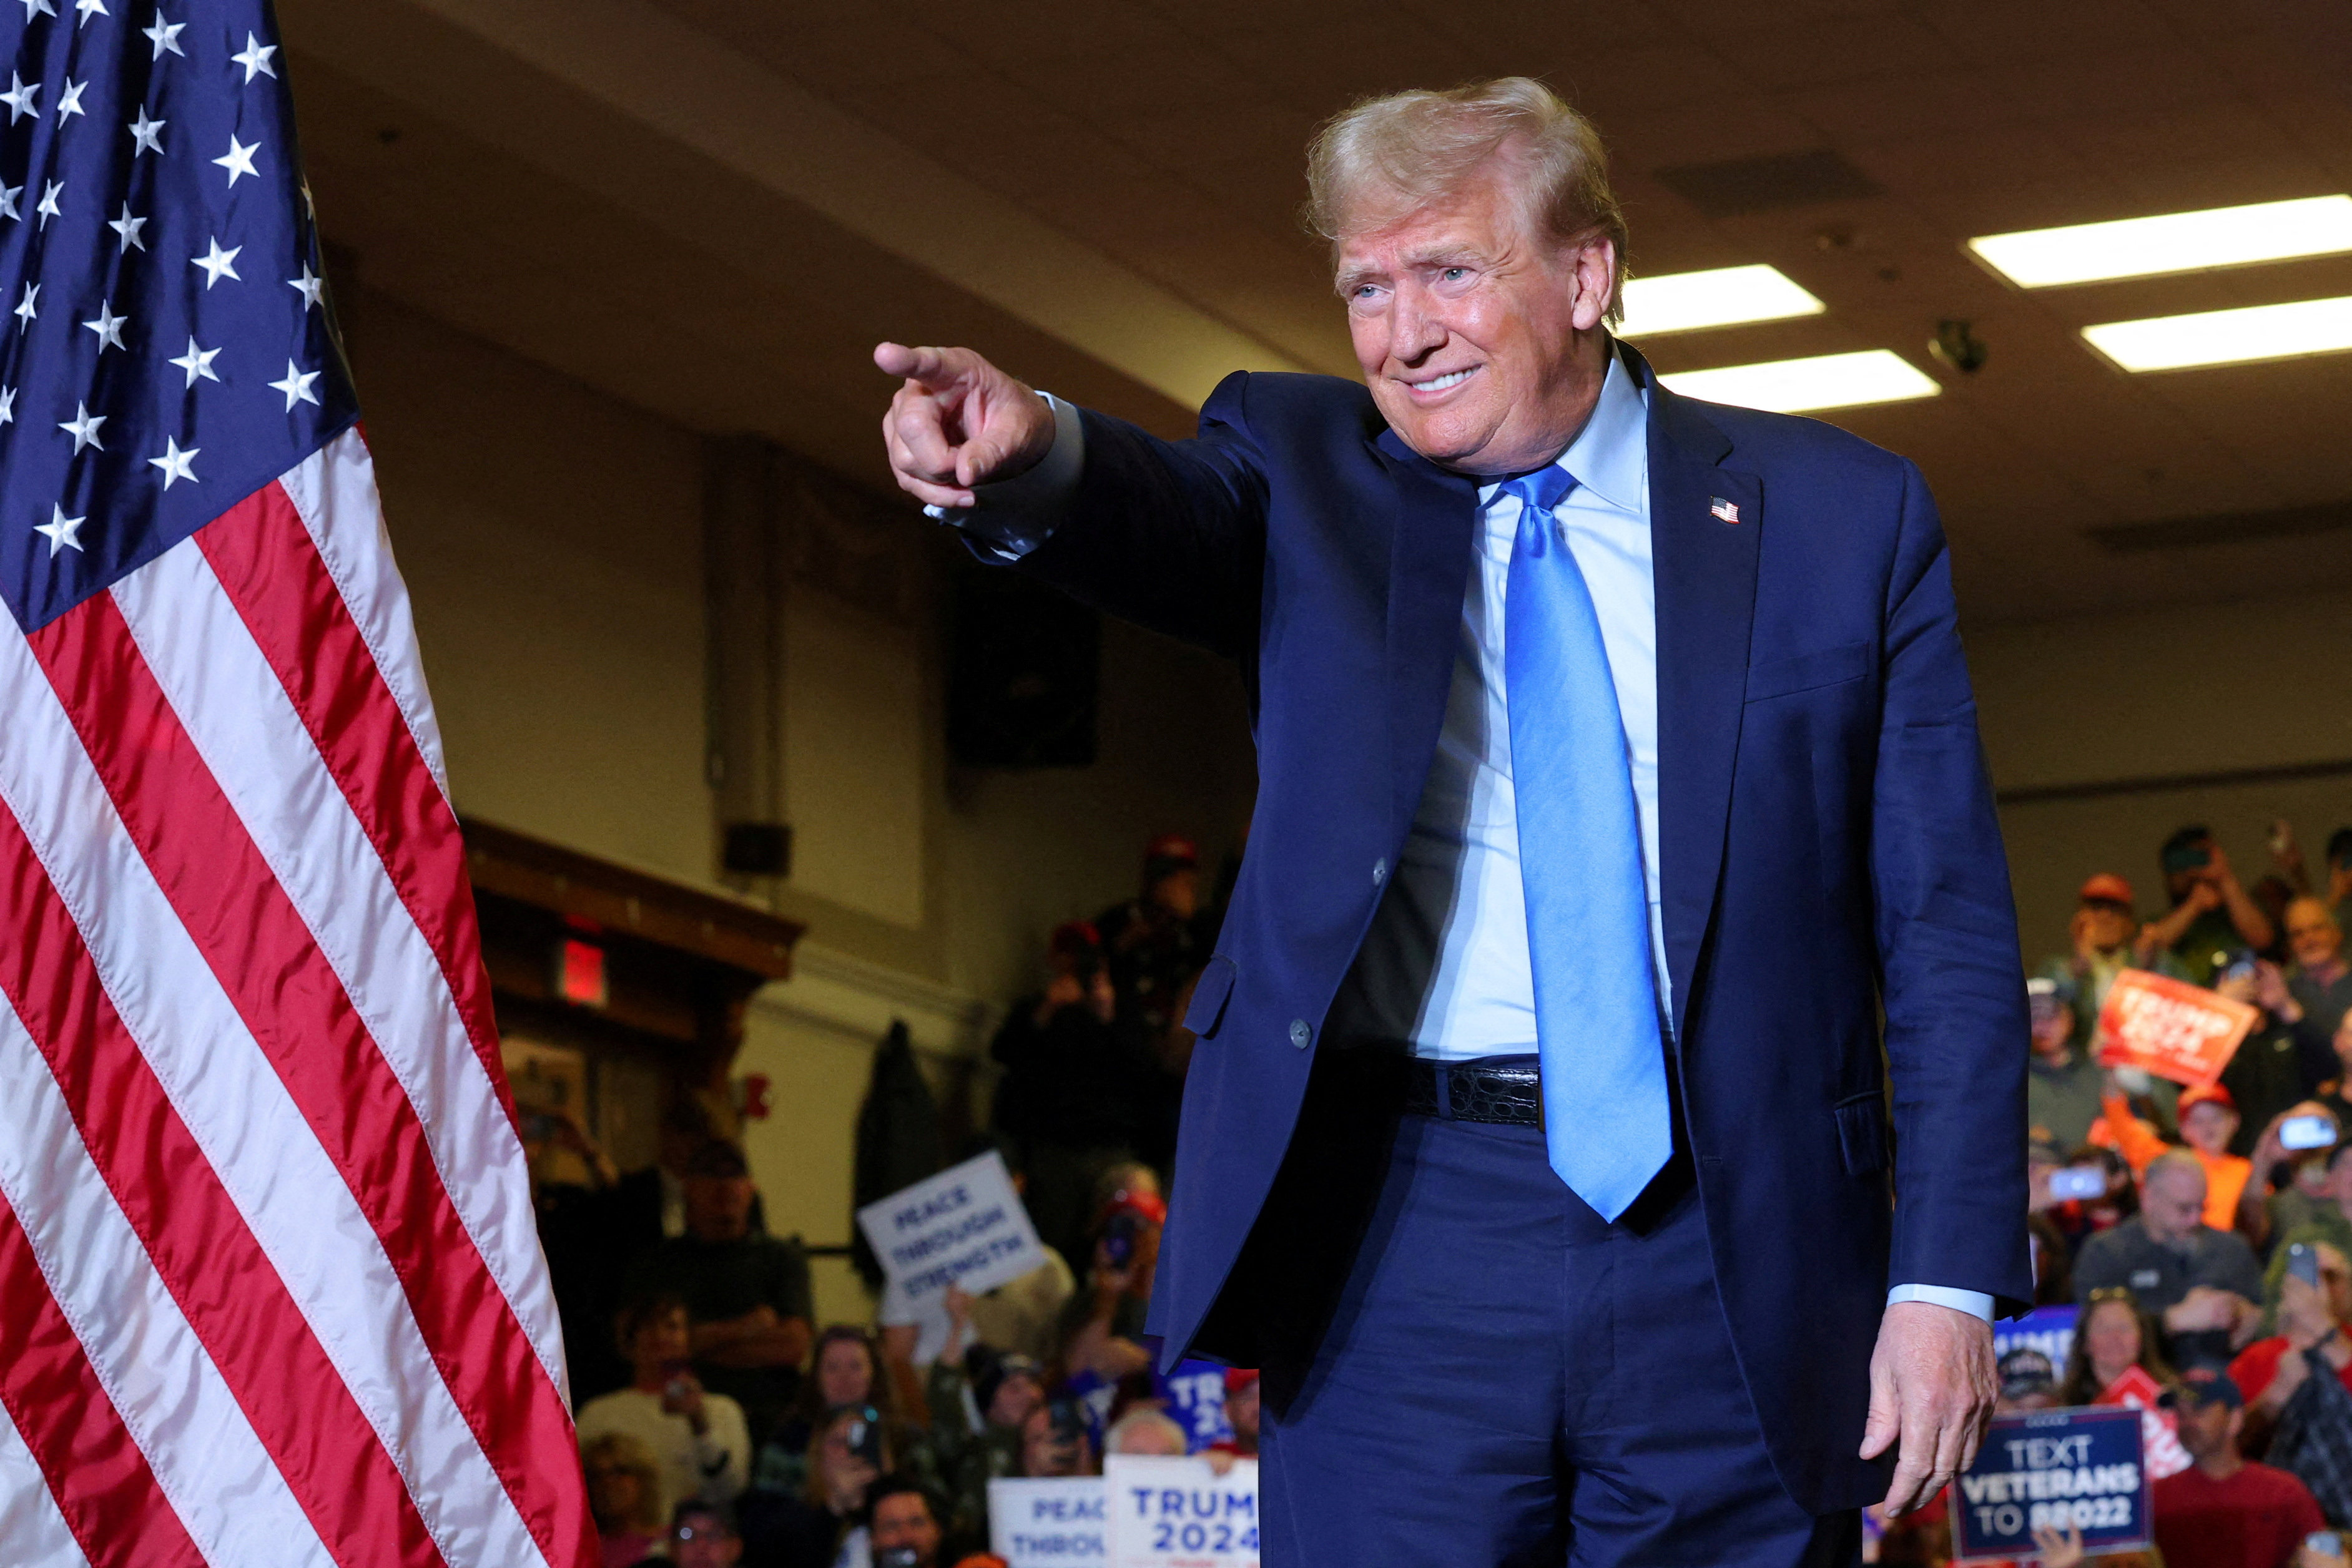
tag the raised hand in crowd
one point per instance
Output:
(2311, 1556)
(1065, 990)
(682, 1396)
(2059, 1548)
(2287, 855)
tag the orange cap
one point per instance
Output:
(2216, 1096)
(2107, 888)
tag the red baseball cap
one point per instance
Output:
(1239, 1378)
(1171, 850)
(2216, 1096)
(1074, 937)
(2107, 888)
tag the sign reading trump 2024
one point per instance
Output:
(2053, 1470)
(1180, 1513)
(962, 1227)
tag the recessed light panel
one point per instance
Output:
(1822, 380)
(2227, 337)
(1718, 297)
(2175, 242)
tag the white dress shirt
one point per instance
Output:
(1444, 968)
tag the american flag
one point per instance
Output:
(270, 1291)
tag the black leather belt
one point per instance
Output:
(1505, 1090)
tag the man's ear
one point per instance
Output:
(1595, 263)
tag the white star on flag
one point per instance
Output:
(310, 285)
(8, 194)
(84, 9)
(61, 531)
(69, 101)
(165, 36)
(37, 8)
(148, 134)
(256, 59)
(174, 463)
(7, 405)
(20, 97)
(83, 428)
(217, 263)
(128, 228)
(197, 362)
(107, 327)
(297, 385)
(50, 191)
(28, 307)
(238, 159)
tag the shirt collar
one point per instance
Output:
(1611, 456)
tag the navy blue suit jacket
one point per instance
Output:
(1827, 847)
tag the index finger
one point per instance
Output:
(931, 366)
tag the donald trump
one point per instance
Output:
(1607, 1128)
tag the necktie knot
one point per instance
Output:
(1541, 490)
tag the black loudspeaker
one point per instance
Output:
(1023, 665)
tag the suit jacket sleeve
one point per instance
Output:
(1952, 982)
(1169, 534)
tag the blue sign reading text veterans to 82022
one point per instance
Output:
(2055, 1470)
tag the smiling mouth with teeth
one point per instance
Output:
(1439, 384)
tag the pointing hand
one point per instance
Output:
(958, 422)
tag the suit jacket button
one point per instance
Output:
(1380, 870)
(1300, 1033)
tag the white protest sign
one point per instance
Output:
(1050, 1524)
(964, 1227)
(1180, 1513)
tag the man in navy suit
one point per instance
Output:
(1623, 851)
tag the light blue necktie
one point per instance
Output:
(1603, 1062)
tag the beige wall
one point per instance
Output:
(2150, 695)
(551, 540)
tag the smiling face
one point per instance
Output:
(1481, 343)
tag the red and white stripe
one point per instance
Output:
(264, 1224)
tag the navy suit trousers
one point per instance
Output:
(1496, 1376)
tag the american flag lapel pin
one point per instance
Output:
(1726, 510)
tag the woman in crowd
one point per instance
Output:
(624, 1493)
(696, 1439)
(844, 1372)
(2113, 1335)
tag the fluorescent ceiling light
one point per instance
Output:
(1822, 380)
(1719, 297)
(2227, 337)
(2177, 242)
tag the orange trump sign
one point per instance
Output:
(2171, 1027)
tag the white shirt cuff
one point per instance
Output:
(1976, 1304)
(1015, 516)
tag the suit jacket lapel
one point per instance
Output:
(1436, 514)
(1705, 570)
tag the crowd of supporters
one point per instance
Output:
(719, 1426)
(2201, 1234)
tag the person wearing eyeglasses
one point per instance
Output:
(703, 1535)
(2202, 1283)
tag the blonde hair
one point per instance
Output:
(1387, 157)
(624, 1452)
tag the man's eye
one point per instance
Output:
(1454, 274)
